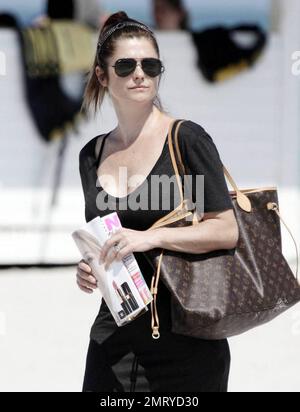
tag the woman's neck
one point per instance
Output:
(132, 125)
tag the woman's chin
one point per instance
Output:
(139, 99)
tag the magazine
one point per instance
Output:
(122, 286)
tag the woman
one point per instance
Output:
(139, 143)
(170, 15)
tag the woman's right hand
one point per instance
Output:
(86, 281)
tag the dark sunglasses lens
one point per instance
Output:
(125, 67)
(152, 67)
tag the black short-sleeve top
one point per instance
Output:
(200, 157)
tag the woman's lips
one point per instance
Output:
(139, 88)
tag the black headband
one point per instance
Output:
(120, 26)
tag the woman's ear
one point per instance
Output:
(101, 76)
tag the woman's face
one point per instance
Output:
(121, 88)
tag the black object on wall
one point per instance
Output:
(60, 9)
(8, 20)
(221, 57)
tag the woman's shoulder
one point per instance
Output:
(192, 135)
(87, 156)
(89, 149)
(196, 143)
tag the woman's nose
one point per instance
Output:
(139, 70)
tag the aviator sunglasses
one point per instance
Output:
(151, 66)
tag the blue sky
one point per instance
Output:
(204, 12)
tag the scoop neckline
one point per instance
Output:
(137, 189)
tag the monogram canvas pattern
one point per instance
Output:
(225, 293)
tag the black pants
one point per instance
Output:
(173, 363)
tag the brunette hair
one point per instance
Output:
(94, 93)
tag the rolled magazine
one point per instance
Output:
(122, 286)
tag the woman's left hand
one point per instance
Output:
(128, 241)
